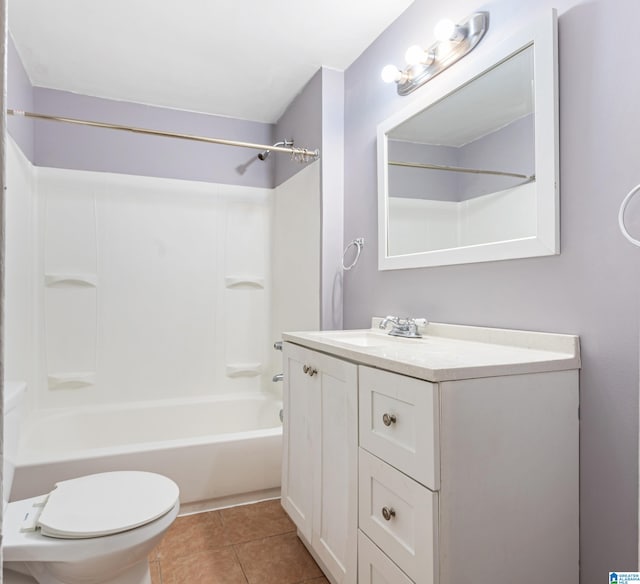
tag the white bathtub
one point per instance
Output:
(219, 450)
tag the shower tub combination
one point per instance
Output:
(220, 450)
(179, 302)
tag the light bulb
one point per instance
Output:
(447, 30)
(390, 73)
(414, 55)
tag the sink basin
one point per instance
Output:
(364, 338)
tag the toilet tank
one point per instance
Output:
(14, 396)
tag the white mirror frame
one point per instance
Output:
(543, 36)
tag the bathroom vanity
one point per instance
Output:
(448, 459)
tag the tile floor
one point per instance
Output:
(249, 544)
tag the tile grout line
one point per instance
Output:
(235, 553)
(264, 538)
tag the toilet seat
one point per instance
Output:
(106, 504)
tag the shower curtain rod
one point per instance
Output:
(458, 169)
(298, 154)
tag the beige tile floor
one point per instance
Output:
(250, 544)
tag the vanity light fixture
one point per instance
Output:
(454, 41)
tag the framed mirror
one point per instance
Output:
(468, 172)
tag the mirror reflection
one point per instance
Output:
(461, 171)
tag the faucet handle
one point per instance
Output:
(413, 325)
(387, 319)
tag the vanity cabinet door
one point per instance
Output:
(298, 440)
(320, 465)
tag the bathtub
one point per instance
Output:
(220, 450)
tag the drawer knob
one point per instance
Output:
(388, 419)
(388, 513)
(310, 371)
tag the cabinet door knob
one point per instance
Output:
(309, 370)
(388, 513)
(388, 419)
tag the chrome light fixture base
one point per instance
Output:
(446, 53)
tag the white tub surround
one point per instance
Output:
(150, 285)
(125, 288)
(453, 458)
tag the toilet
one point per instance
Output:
(96, 529)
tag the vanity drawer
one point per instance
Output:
(374, 567)
(399, 422)
(400, 516)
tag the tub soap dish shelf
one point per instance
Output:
(244, 369)
(69, 280)
(242, 281)
(71, 380)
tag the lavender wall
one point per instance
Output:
(301, 122)
(19, 96)
(591, 289)
(77, 147)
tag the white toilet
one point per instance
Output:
(97, 529)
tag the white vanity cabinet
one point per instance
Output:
(320, 458)
(481, 477)
(467, 455)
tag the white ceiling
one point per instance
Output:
(240, 58)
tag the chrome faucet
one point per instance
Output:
(403, 327)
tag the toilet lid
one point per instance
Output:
(106, 503)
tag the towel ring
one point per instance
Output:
(623, 208)
(359, 244)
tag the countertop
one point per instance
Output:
(448, 352)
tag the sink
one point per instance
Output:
(372, 338)
(365, 338)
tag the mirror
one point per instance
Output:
(468, 173)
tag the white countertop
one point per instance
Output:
(449, 352)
